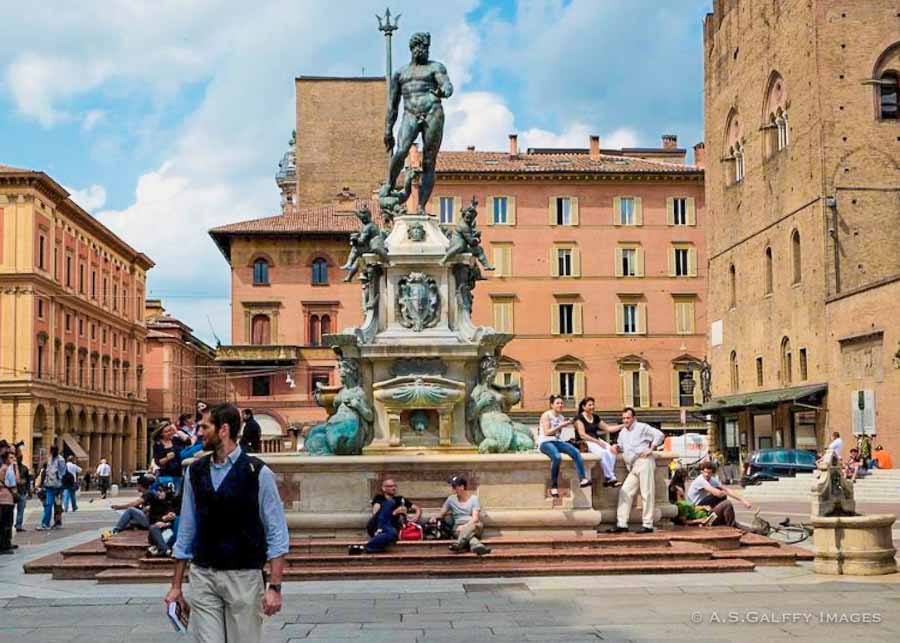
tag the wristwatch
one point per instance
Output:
(275, 587)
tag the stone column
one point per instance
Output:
(106, 447)
(129, 447)
(86, 445)
(117, 458)
(96, 447)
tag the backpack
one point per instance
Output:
(411, 531)
(68, 480)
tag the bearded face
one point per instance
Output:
(420, 53)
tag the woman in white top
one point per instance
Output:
(550, 444)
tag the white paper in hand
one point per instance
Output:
(178, 616)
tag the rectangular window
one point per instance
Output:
(684, 316)
(503, 316)
(803, 365)
(502, 260)
(40, 361)
(262, 385)
(93, 331)
(679, 211)
(81, 280)
(566, 319)
(759, 371)
(682, 264)
(80, 327)
(636, 388)
(125, 300)
(446, 209)
(42, 249)
(93, 284)
(40, 303)
(105, 289)
(564, 262)
(115, 337)
(68, 323)
(68, 271)
(501, 209)
(103, 336)
(68, 366)
(563, 211)
(626, 211)
(115, 297)
(567, 385)
(629, 262)
(630, 319)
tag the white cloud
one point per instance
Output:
(91, 118)
(90, 198)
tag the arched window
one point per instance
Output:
(768, 271)
(732, 287)
(315, 330)
(325, 324)
(320, 272)
(787, 365)
(260, 272)
(775, 115)
(888, 94)
(795, 257)
(735, 376)
(260, 330)
(734, 148)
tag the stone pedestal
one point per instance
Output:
(854, 545)
(331, 496)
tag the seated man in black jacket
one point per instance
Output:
(388, 511)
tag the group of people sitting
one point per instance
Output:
(155, 510)
(704, 500)
(394, 518)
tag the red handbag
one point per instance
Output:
(411, 531)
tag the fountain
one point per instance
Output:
(418, 398)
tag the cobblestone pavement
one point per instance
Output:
(770, 604)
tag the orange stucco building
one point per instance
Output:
(600, 256)
(71, 328)
(180, 369)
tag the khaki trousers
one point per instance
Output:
(640, 476)
(226, 605)
(468, 534)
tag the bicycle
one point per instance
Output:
(785, 531)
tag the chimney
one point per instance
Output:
(595, 148)
(470, 148)
(513, 145)
(669, 141)
(700, 154)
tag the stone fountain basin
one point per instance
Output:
(854, 545)
(331, 495)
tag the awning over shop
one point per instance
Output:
(72, 442)
(761, 398)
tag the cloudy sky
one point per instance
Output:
(167, 118)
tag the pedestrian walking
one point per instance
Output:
(232, 522)
(24, 489)
(9, 486)
(70, 485)
(104, 472)
(51, 488)
(637, 441)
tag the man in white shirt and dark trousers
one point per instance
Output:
(836, 446)
(232, 522)
(637, 441)
(104, 472)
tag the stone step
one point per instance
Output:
(765, 556)
(87, 567)
(460, 568)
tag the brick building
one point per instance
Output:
(179, 368)
(804, 142)
(600, 254)
(71, 328)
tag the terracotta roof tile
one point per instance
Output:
(535, 162)
(322, 219)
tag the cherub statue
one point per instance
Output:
(368, 239)
(392, 201)
(466, 238)
(488, 424)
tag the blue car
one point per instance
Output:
(772, 464)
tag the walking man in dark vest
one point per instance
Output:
(232, 522)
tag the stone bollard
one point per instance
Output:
(854, 545)
(114, 490)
